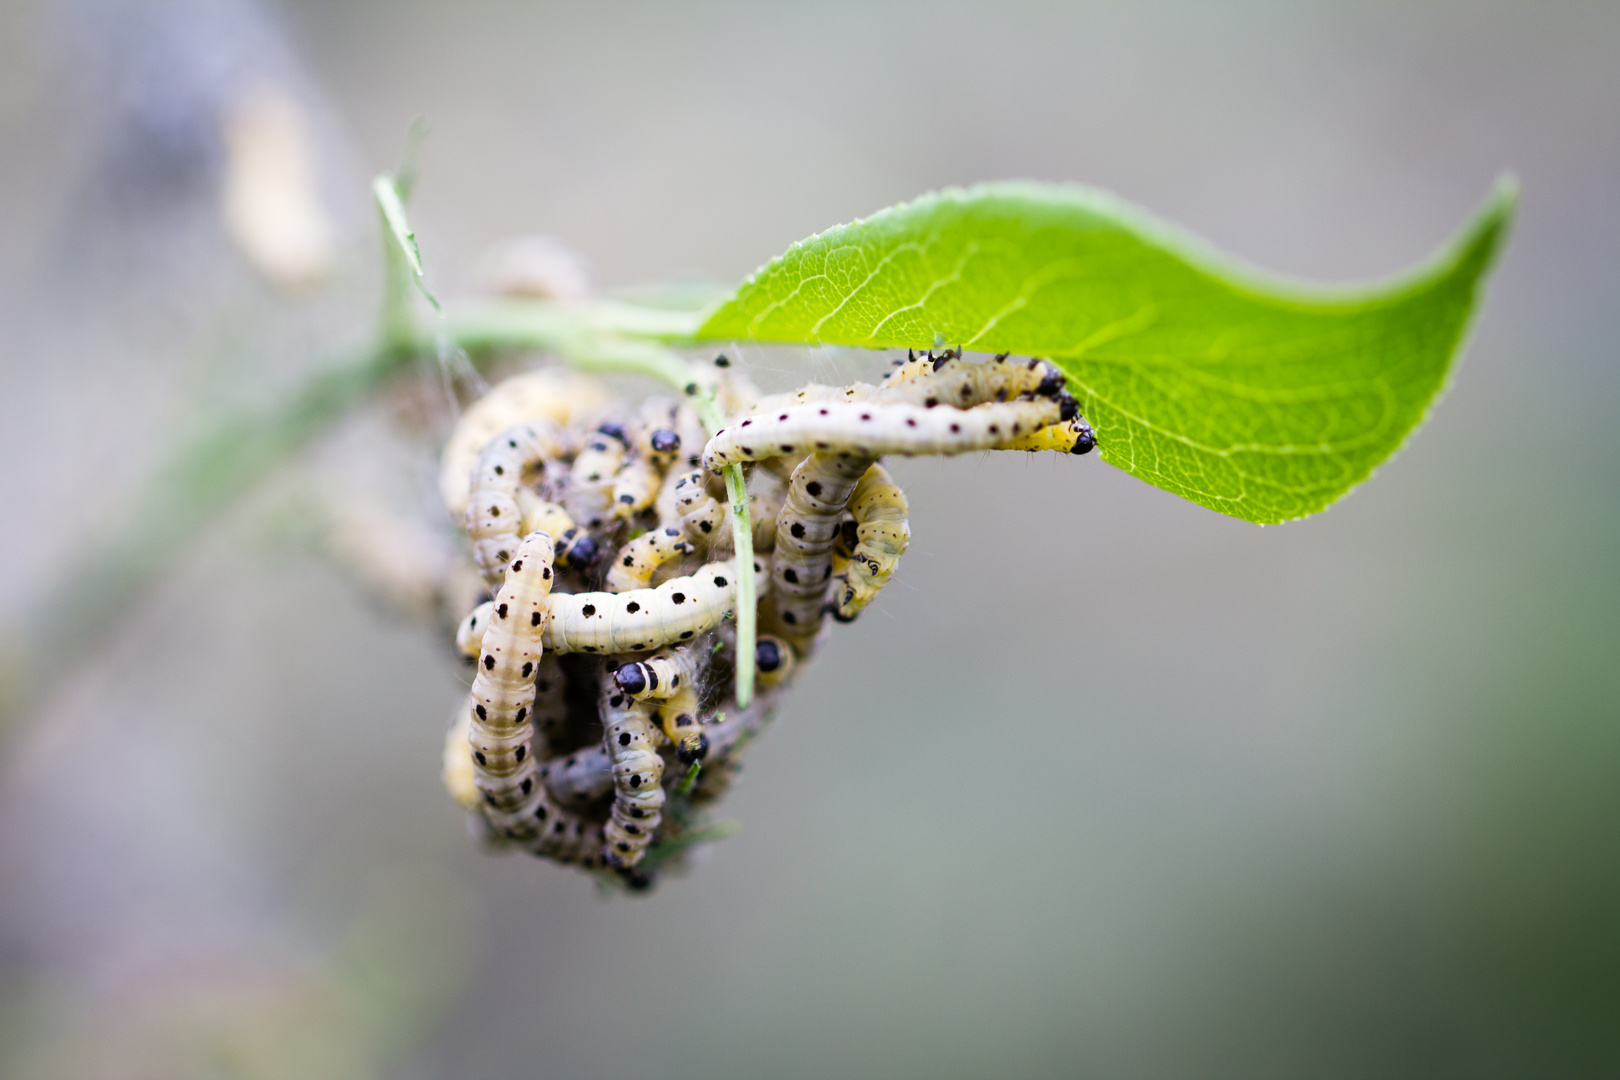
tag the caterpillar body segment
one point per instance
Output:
(494, 519)
(575, 546)
(882, 535)
(692, 435)
(595, 473)
(706, 517)
(914, 366)
(637, 561)
(666, 673)
(503, 689)
(806, 527)
(680, 720)
(557, 395)
(581, 777)
(1070, 437)
(964, 384)
(630, 739)
(635, 486)
(643, 619)
(549, 713)
(470, 634)
(867, 429)
(459, 780)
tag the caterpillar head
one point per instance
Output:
(697, 751)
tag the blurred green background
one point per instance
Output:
(1105, 784)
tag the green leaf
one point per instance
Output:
(392, 206)
(1262, 398)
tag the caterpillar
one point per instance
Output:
(871, 429)
(458, 762)
(595, 472)
(678, 716)
(664, 673)
(518, 807)
(805, 529)
(1070, 437)
(706, 519)
(773, 661)
(493, 518)
(629, 738)
(634, 486)
(965, 384)
(882, 535)
(503, 689)
(575, 546)
(916, 367)
(637, 562)
(581, 777)
(643, 619)
(558, 395)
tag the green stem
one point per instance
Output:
(205, 476)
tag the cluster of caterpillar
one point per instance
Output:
(601, 721)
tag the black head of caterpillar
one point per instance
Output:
(773, 660)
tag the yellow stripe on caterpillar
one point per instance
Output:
(643, 619)
(882, 536)
(872, 429)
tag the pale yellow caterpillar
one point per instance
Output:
(635, 486)
(806, 527)
(679, 718)
(596, 469)
(518, 807)
(503, 689)
(458, 762)
(643, 619)
(637, 561)
(964, 384)
(773, 661)
(493, 518)
(559, 395)
(1070, 437)
(882, 535)
(630, 739)
(871, 429)
(706, 519)
(575, 546)
(665, 673)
